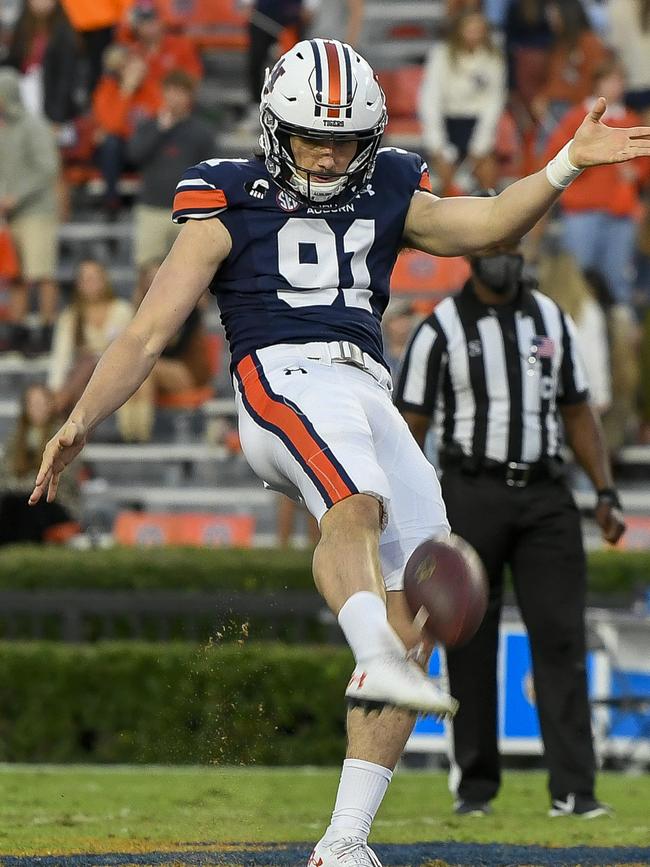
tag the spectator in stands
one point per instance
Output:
(644, 433)
(269, 22)
(161, 51)
(397, 323)
(83, 331)
(163, 147)
(630, 36)
(45, 50)
(95, 22)
(599, 210)
(461, 100)
(18, 521)
(620, 421)
(337, 19)
(9, 13)
(576, 55)
(456, 8)
(183, 365)
(529, 37)
(124, 96)
(29, 171)
(562, 280)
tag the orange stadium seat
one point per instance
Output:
(401, 87)
(188, 398)
(418, 273)
(210, 23)
(193, 398)
(193, 528)
(61, 534)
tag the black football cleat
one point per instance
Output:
(584, 806)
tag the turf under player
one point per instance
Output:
(298, 248)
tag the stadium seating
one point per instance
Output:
(430, 278)
(213, 24)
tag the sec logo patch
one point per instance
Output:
(287, 201)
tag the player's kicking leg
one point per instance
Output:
(348, 575)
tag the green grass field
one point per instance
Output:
(51, 809)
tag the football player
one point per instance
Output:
(298, 248)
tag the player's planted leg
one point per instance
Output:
(346, 564)
(375, 743)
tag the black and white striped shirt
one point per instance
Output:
(495, 374)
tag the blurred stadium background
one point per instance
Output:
(165, 613)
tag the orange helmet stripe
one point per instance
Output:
(334, 84)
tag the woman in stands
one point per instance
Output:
(576, 54)
(18, 523)
(562, 280)
(461, 100)
(45, 50)
(183, 367)
(83, 331)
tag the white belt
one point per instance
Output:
(344, 352)
(338, 352)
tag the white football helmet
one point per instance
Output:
(321, 89)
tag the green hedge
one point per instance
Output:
(117, 702)
(30, 567)
(228, 569)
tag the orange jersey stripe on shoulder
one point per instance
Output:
(425, 181)
(190, 199)
(284, 417)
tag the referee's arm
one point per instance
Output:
(419, 377)
(584, 435)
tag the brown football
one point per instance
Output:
(446, 589)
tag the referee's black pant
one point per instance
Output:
(536, 530)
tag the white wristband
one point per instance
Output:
(560, 171)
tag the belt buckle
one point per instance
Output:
(513, 480)
(351, 354)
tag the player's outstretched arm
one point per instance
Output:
(181, 280)
(464, 225)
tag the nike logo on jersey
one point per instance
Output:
(289, 370)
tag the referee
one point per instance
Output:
(498, 367)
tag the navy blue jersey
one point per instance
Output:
(297, 274)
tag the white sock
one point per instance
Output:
(361, 791)
(364, 622)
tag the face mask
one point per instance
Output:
(501, 273)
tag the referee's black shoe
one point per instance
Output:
(472, 808)
(579, 805)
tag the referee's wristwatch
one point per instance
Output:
(610, 496)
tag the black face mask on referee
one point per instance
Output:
(500, 273)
